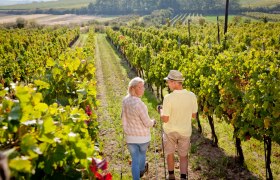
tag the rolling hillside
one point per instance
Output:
(142, 7)
(259, 3)
(60, 4)
(69, 4)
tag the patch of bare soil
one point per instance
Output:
(4, 18)
(211, 162)
(47, 19)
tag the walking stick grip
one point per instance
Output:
(159, 107)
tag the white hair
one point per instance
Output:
(134, 82)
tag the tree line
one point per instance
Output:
(122, 7)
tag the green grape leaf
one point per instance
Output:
(50, 62)
(27, 110)
(48, 138)
(76, 63)
(2, 93)
(42, 84)
(23, 94)
(80, 149)
(53, 109)
(91, 68)
(56, 73)
(59, 153)
(48, 126)
(15, 113)
(275, 114)
(27, 142)
(36, 98)
(21, 165)
(42, 107)
(44, 146)
(29, 146)
(265, 105)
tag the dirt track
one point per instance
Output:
(112, 78)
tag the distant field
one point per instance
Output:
(260, 16)
(68, 4)
(47, 19)
(258, 3)
(61, 4)
(230, 18)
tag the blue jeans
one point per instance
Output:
(138, 155)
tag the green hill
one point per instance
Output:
(60, 4)
(123, 7)
(258, 3)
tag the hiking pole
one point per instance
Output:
(159, 107)
(163, 151)
(155, 152)
(122, 153)
(188, 160)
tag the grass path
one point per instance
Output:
(111, 81)
(205, 161)
(113, 76)
(80, 41)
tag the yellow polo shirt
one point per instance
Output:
(179, 106)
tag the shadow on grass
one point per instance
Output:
(212, 163)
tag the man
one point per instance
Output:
(179, 107)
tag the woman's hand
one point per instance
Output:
(154, 123)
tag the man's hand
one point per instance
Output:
(159, 107)
(163, 118)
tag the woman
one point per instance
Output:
(136, 125)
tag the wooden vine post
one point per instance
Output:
(226, 23)
(226, 17)
(238, 147)
(267, 154)
(218, 26)
(198, 123)
(214, 136)
(189, 30)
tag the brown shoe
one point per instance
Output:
(171, 177)
(145, 170)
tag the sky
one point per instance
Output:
(11, 2)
